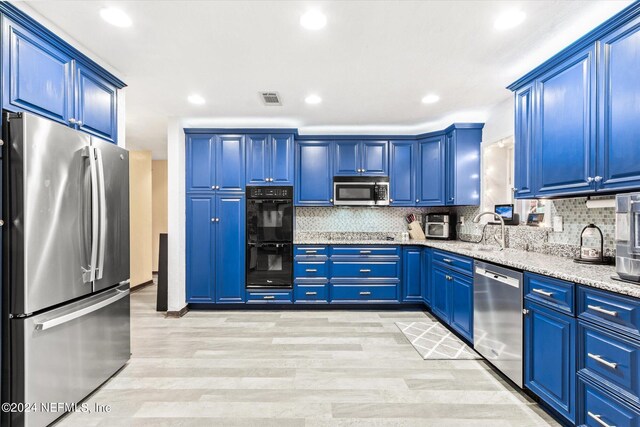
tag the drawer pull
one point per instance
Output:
(365, 252)
(311, 293)
(365, 270)
(311, 270)
(268, 297)
(600, 360)
(602, 310)
(365, 293)
(598, 419)
(542, 292)
(447, 260)
(310, 252)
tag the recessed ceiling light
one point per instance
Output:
(509, 19)
(115, 17)
(196, 99)
(430, 99)
(313, 20)
(313, 99)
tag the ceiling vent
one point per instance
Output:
(270, 98)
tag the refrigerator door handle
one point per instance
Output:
(90, 275)
(103, 214)
(48, 324)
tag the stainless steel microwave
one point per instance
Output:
(361, 190)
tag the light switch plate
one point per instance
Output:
(557, 224)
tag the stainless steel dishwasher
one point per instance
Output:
(497, 318)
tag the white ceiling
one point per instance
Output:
(371, 64)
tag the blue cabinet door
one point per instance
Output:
(565, 138)
(463, 167)
(347, 158)
(258, 159)
(200, 256)
(281, 160)
(95, 105)
(375, 158)
(412, 274)
(314, 173)
(36, 76)
(230, 248)
(402, 173)
(440, 298)
(550, 357)
(431, 167)
(426, 276)
(229, 165)
(462, 305)
(200, 163)
(523, 162)
(619, 127)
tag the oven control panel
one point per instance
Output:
(263, 192)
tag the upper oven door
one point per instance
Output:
(361, 193)
(269, 220)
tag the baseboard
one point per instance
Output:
(179, 313)
(140, 286)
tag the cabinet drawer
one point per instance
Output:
(311, 250)
(553, 293)
(311, 269)
(609, 310)
(311, 293)
(364, 269)
(599, 409)
(608, 356)
(457, 262)
(364, 251)
(266, 297)
(353, 293)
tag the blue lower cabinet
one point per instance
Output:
(426, 276)
(440, 297)
(599, 408)
(371, 293)
(311, 293)
(200, 256)
(411, 274)
(462, 305)
(311, 269)
(230, 248)
(270, 297)
(550, 358)
(358, 269)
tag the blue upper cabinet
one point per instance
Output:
(215, 163)
(402, 173)
(229, 163)
(200, 163)
(270, 159)
(431, 172)
(37, 77)
(368, 158)
(523, 176)
(96, 104)
(463, 165)
(619, 124)
(565, 141)
(314, 173)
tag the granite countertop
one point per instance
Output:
(596, 276)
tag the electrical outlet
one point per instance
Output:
(558, 224)
(461, 219)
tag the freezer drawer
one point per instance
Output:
(64, 354)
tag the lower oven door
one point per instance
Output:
(270, 265)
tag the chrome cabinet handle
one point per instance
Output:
(217, 219)
(213, 187)
(79, 122)
(311, 293)
(417, 200)
(73, 121)
(590, 179)
(213, 220)
(602, 310)
(391, 200)
(542, 292)
(600, 360)
(447, 260)
(310, 252)
(365, 270)
(331, 200)
(311, 270)
(365, 252)
(268, 297)
(365, 293)
(597, 179)
(598, 419)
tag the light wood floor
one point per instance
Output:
(295, 368)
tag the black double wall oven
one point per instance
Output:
(269, 237)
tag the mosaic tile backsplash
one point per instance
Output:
(391, 222)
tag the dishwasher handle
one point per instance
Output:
(511, 281)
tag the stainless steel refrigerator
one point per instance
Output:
(66, 264)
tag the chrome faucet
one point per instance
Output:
(495, 236)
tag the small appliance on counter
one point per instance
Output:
(592, 254)
(440, 226)
(361, 190)
(628, 236)
(507, 214)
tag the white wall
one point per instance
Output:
(500, 123)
